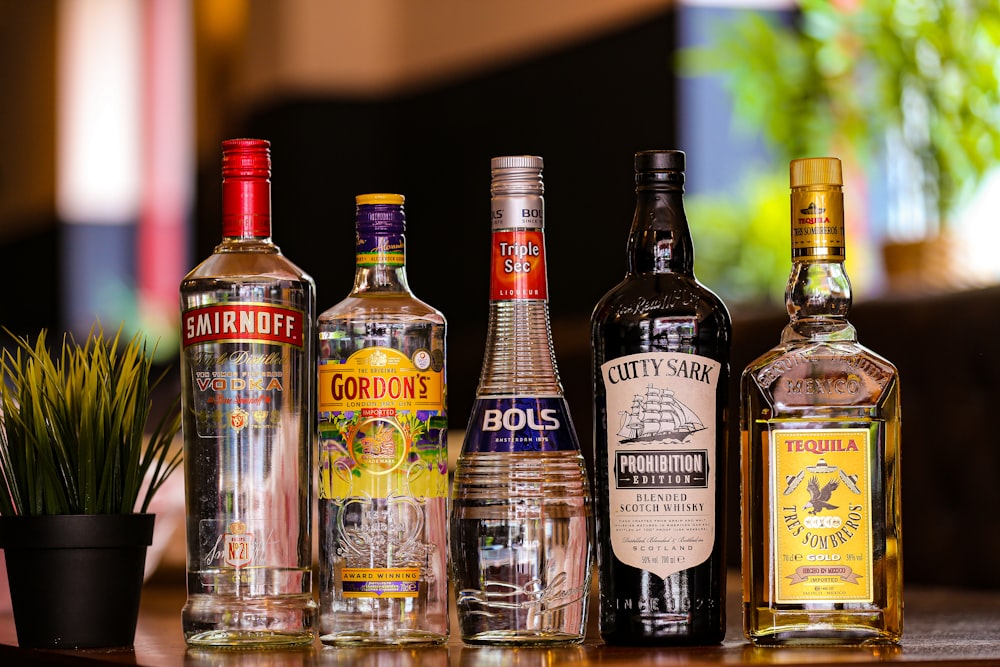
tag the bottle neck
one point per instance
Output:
(246, 189)
(660, 240)
(380, 254)
(818, 294)
(519, 359)
(380, 264)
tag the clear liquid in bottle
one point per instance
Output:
(247, 388)
(383, 450)
(521, 513)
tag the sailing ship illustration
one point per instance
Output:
(657, 415)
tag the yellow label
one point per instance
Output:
(381, 378)
(821, 524)
(386, 582)
(818, 224)
(382, 425)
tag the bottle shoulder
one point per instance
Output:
(382, 306)
(647, 295)
(247, 267)
(805, 374)
(661, 313)
(663, 291)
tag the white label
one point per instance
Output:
(661, 459)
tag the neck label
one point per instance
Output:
(518, 261)
(818, 225)
(380, 249)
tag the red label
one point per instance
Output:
(243, 322)
(518, 260)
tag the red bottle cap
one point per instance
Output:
(246, 188)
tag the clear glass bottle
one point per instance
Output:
(661, 344)
(383, 451)
(247, 319)
(819, 421)
(521, 517)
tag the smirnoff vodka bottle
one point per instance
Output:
(521, 507)
(383, 458)
(248, 404)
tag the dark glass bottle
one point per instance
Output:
(661, 347)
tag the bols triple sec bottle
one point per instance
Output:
(661, 344)
(383, 456)
(820, 427)
(247, 382)
(521, 507)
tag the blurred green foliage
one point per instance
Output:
(742, 239)
(837, 77)
(845, 72)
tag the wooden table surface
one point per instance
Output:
(942, 626)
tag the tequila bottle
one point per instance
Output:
(820, 425)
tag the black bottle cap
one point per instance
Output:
(659, 161)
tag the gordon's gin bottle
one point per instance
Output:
(383, 456)
(247, 382)
(521, 506)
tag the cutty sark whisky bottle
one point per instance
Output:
(820, 424)
(661, 344)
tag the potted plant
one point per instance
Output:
(77, 473)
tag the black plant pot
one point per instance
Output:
(75, 580)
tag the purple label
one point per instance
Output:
(523, 424)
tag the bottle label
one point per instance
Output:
(396, 582)
(661, 409)
(821, 531)
(234, 354)
(383, 454)
(818, 225)
(243, 322)
(380, 250)
(520, 424)
(241, 357)
(518, 260)
(381, 423)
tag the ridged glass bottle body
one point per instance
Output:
(391, 522)
(649, 316)
(822, 383)
(521, 520)
(248, 421)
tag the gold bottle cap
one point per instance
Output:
(380, 198)
(816, 171)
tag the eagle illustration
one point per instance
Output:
(818, 497)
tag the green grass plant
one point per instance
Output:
(74, 435)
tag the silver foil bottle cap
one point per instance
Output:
(516, 162)
(516, 174)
